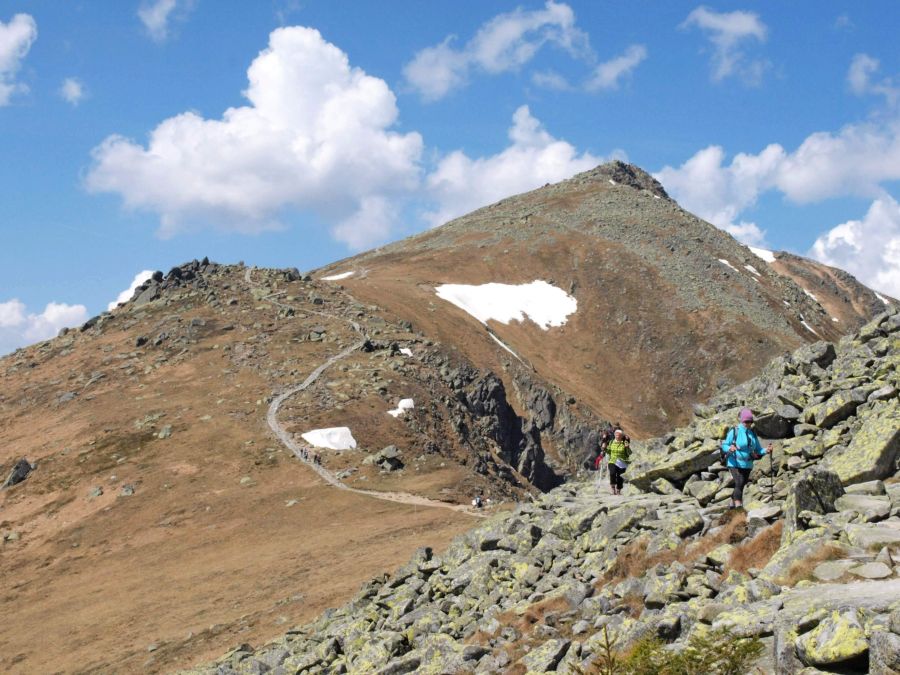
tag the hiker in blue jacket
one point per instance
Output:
(741, 448)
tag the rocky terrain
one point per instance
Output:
(162, 499)
(670, 308)
(812, 568)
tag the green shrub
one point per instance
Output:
(716, 652)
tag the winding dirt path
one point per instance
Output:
(288, 440)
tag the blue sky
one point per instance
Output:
(137, 134)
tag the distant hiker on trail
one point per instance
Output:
(619, 454)
(741, 448)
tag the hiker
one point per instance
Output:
(741, 448)
(619, 454)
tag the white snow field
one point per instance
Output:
(404, 405)
(335, 438)
(338, 277)
(768, 256)
(882, 298)
(811, 295)
(406, 351)
(541, 302)
(727, 264)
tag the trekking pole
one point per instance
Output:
(771, 478)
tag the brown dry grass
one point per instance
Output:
(802, 569)
(523, 623)
(756, 552)
(633, 560)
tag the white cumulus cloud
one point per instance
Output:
(506, 42)
(859, 77)
(315, 137)
(125, 295)
(156, 16)
(608, 74)
(729, 32)
(19, 328)
(718, 193)
(16, 38)
(72, 90)
(460, 184)
(868, 248)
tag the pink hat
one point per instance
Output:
(746, 415)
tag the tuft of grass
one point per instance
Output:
(633, 560)
(802, 570)
(758, 551)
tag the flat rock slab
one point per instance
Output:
(874, 536)
(765, 512)
(876, 596)
(833, 569)
(861, 503)
(873, 570)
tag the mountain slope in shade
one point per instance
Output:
(670, 308)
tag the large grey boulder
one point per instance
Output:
(839, 638)
(872, 454)
(815, 490)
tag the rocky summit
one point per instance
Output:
(811, 568)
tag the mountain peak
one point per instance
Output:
(623, 173)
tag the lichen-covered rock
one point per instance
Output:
(703, 491)
(872, 454)
(816, 490)
(545, 657)
(872, 570)
(839, 638)
(873, 536)
(685, 523)
(884, 653)
(836, 409)
(880, 507)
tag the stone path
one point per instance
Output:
(297, 448)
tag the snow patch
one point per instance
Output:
(810, 295)
(335, 438)
(612, 182)
(835, 319)
(807, 326)
(338, 277)
(656, 197)
(751, 269)
(404, 405)
(768, 256)
(882, 298)
(541, 302)
(406, 351)
(727, 264)
(504, 345)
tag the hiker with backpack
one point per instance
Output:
(740, 449)
(618, 451)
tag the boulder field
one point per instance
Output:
(810, 568)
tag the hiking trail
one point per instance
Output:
(288, 440)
